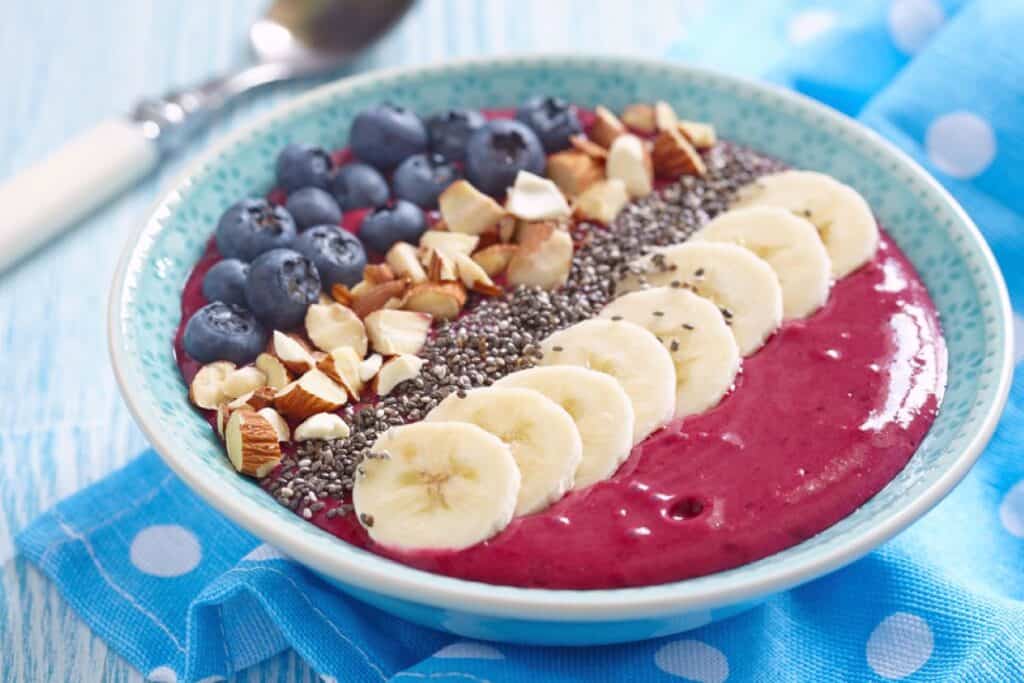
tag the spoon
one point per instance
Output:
(294, 39)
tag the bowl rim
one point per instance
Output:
(417, 586)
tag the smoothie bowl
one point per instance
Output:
(563, 351)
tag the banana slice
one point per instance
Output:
(598, 405)
(744, 287)
(630, 354)
(444, 485)
(702, 347)
(843, 218)
(545, 443)
(788, 243)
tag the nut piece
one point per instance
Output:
(474, 277)
(507, 228)
(640, 117)
(399, 369)
(284, 433)
(404, 262)
(341, 293)
(495, 258)
(393, 332)
(369, 367)
(581, 143)
(276, 373)
(700, 135)
(335, 325)
(292, 352)
(440, 267)
(629, 161)
(449, 243)
(261, 398)
(544, 257)
(207, 388)
(342, 365)
(322, 426)
(602, 201)
(606, 127)
(442, 300)
(665, 116)
(252, 443)
(239, 402)
(376, 273)
(674, 156)
(466, 209)
(244, 380)
(312, 393)
(574, 171)
(533, 198)
(378, 296)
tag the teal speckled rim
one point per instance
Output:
(937, 235)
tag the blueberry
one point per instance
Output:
(384, 135)
(553, 120)
(282, 284)
(359, 186)
(225, 281)
(338, 255)
(498, 151)
(403, 222)
(222, 331)
(300, 166)
(449, 131)
(253, 226)
(422, 177)
(312, 206)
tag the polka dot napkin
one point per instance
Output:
(184, 595)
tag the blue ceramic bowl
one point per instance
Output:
(926, 222)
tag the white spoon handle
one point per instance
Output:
(49, 197)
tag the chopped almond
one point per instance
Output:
(474, 277)
(581, 143)
(262, 397)
(335, 325)
(207, 388)
(533, 198)
(369, 367)
(284, 433)
(252, 443)
(630, 162)
(495, 258)
(602, 201)
(674, 155)
(640, 117)
(341, 294)
(449, 243)
(405, 263)
(244, 380)
(377, 296)
(376, 273)
(394, 331)
(544, 257)
(292, 351)
(665, 117)
(507, 228)
(442, 300)
(401, 368)
(312, 393)
(700, 135)
(322, 426)
(276, 373)
(440, 267)
(342, 365)
(606, 127)
(466, 209)
(573, 171)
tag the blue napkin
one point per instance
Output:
(165, 580)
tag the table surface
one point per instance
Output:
(66, 65)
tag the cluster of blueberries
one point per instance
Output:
(278, 258)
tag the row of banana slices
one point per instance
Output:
(669, 346)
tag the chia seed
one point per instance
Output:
(500, 335)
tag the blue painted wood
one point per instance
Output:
(66, 65)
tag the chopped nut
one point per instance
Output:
(404, 262)
(369, 367)
(602, 201)
(341, 294)
(582, 143)
(252, 443)
(674, 156)
(665, 117)
(630, 162)
(393, 331)
(533, 198)
(335, 325)
(507, 228)
(443, 300)
(440, 266)
(449, 243)
(342, 365)
(312, 393)
(207, 388)
(376, 273)
(495, 258)
(276, 373)
(640, 117)
(377, 296)
(284, 433)
(700, 135)
(292, 351)
(322, 426)
(544, 257)
(606, 127)
(244, 380)
(466, 209)
(474, 277)
(401, 368)
(574, 171)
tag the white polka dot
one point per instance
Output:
(468, 650)
(961, 144)
(1018, 338)
(162, 674)
(165, 550)
(899, 646)
(808, 25)
(694, 660)
(912, 23)
(264, 551)
(1011, 511)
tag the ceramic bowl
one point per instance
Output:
(929, 226)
